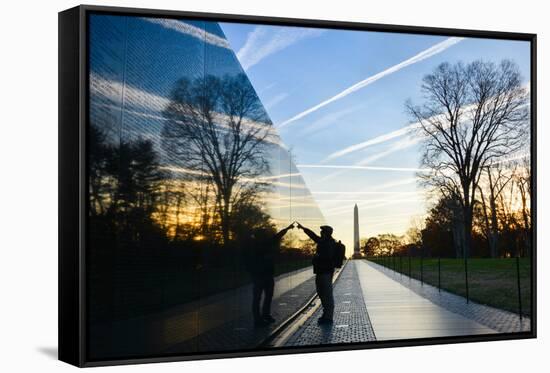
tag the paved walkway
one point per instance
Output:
(494, 318)
(376, 303)
(351, 319)
(397, 312)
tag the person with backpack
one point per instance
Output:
(328, 256)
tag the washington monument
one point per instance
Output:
(356, 244)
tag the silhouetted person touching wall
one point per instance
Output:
(260, 253)
(323, 267)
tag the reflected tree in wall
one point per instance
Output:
(217, 128)
(125, 184)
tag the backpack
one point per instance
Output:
(339, 254)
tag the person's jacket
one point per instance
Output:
(323, 261)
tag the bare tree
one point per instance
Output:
(172, 198)
(218, 127)
(98, 159)
(371, 246)
(497, 177)
(523, 181)
(446, 215)
(389, 243)
(413, 235)
(471, 116)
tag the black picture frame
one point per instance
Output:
(73, 189)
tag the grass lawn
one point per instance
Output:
(491, 281)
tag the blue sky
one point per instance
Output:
(308, 81)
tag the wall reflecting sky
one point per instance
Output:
(130, 86)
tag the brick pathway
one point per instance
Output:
(494, 318)
(351, 319)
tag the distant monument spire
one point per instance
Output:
(356, 244)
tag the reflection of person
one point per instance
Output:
(260, 262)
(323, 267)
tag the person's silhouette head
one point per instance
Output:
(326, 231)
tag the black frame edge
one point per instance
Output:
(534, 244)
(308, 22)
(420, 342)
(69, 249)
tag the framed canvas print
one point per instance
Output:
(239, 186)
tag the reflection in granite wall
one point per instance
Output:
(189, 186)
